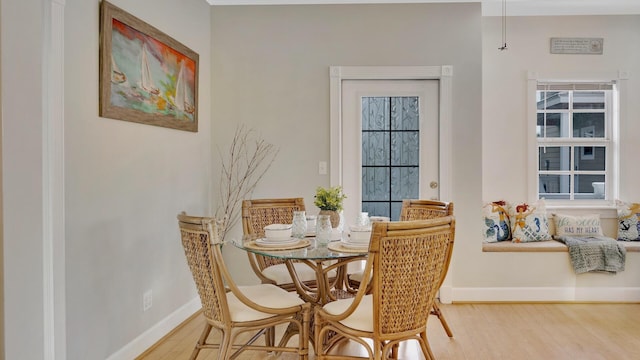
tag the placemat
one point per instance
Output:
(337, 246)
(303, 243)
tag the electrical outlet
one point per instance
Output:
(147, 300)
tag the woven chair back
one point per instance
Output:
(409, 262)
(414, 209)
(258, 213)
(205, 261)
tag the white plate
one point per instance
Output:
(279, 240)
(276, 243)
(350, 245)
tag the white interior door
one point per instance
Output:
(390, 144)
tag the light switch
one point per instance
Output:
(322, 168)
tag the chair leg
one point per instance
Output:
(394, 351)
(225, 346)
(270, 336)
(435, 310)
(304, 334)
(201, 341)
(426, 349)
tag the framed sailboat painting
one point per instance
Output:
(145, 75)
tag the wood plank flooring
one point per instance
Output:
(484, 332)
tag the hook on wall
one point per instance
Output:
(504, 26)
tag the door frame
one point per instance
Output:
(443, 74)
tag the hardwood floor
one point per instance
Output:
(485, 331)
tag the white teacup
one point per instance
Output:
(359, 234)
(277, 231)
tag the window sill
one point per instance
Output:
(544, 246)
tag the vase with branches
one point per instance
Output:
(242, 167)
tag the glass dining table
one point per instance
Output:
(325, 260)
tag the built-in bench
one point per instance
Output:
(609, 228)
(544, 246)
(542, 271)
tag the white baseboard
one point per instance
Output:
(446, 294)
(155, 333)
(539, 294)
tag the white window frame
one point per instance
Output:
(618, 106)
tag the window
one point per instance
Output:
(574, 123)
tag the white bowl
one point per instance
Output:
(359, 234)
(277, 231)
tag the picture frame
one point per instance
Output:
(146, 76)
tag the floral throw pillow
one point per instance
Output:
(585, 225)
(628, 221)
(496, 225)
(529, 222)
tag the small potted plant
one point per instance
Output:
(329, 201)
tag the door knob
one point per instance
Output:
(433, 184)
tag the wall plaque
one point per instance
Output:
(589, 46)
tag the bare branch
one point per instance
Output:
(247, 160)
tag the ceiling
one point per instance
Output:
(489, 7)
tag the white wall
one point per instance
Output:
(504, 147)
(505, 91)
(125, 184)
(22, 171)
(276, 79)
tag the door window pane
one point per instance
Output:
(375, 113)
(390, 154)
(375, 148)
(404, 113)
(405, 148)
(375, 184)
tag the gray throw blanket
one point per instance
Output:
(595, 254)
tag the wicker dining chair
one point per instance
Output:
(235, 310)
(418, 209)
(405, 265)
(258, 213)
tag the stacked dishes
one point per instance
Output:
(277, 235)
(359, 237)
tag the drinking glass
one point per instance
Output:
(323, 230)
(363, 219)
(299, 226)
(311, 224)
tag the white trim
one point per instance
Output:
(446, 294)
(442, 73)
(53, 238)
(550, 294)
(143, 342)
(613, 156)
(489, 7)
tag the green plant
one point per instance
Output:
(329, 199)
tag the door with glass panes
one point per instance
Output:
(390, 145)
